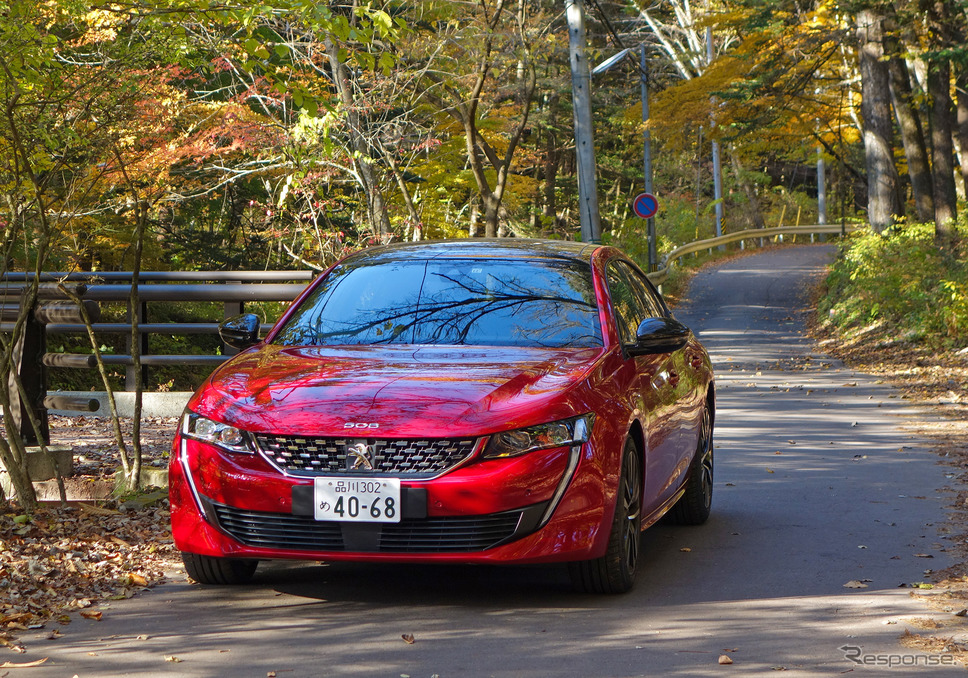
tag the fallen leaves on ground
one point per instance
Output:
(24, 665)
(936, 645)
(65, 559)
(95, 451)
(59, 560)
(69, 559)
(937, 378)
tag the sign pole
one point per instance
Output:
(647, 157)
(717, 163)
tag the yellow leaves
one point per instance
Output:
(136, 579)
(24, 665)
(102, 26)
(771, 81)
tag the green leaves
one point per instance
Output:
(904, 282)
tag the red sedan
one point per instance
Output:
(476, 401)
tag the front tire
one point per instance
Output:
(694, 505)
(615, 571)
(218, 571)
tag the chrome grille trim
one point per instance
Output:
(408, 458)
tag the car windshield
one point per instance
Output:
(468, 302)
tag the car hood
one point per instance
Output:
(398, 391)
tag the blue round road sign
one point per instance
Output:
(645, 205)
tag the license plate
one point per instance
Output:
(360, 500)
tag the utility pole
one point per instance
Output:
(591, 230)
(717, 163)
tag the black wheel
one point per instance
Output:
(693, 506)
(218, 571)
(615, 571)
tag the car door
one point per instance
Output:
(653, 383)
(684, 368)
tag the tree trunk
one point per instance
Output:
(134, 301)
(882, 202)
(945, 21)
(961, 98)
(942, 150)
(474, 222)
(912, 132)
(415, 232)
(551, 163)
(755, 214)
(375, 205)
(19, 479)
(491, 215)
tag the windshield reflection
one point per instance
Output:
(545, 303)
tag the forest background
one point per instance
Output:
(197, 135)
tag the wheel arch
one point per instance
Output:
(711, 403)
(637, 434)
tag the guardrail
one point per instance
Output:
(52, 313)
(660, 276)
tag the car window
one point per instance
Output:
(548, 302)
(624, 302)
(648, 296)
(632, 299)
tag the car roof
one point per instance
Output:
(478, 248)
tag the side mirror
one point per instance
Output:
(659, 335)
(241, 331)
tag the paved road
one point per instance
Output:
(817, 484)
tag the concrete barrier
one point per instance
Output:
(153, 404)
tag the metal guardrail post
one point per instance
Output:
(29, 357)
(230, 309)
(28, 365)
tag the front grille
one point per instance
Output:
(432, 535)
(307, 456)
(425, 535)
(278, 530)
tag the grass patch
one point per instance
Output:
(899, 288)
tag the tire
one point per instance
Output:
(218, 571)
(615, 571)
(694, 505)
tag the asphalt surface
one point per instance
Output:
(817, 484)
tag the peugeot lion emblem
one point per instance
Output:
(360, 456)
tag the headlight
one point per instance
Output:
(556, 434)
(216, 433)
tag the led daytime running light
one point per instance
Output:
(564, 433)
(215, 433)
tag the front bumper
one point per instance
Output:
(542, 507)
